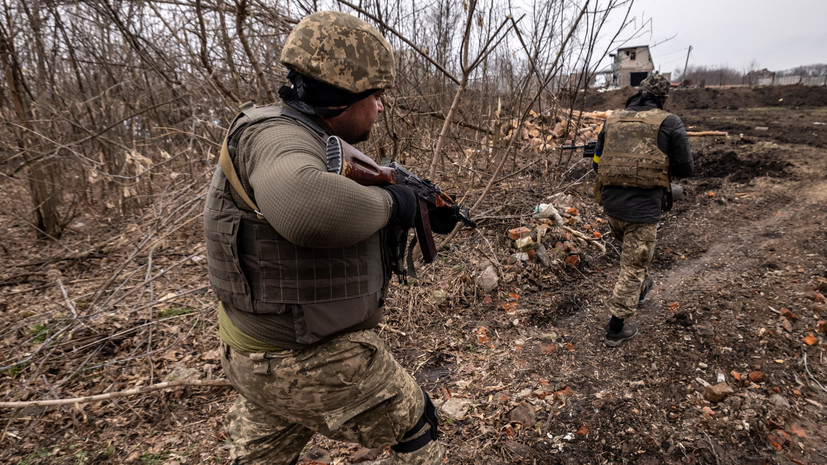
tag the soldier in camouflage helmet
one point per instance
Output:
(657, 86)
(341, 50)
(638, 150)
(301, 284)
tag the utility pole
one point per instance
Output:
(683, 78)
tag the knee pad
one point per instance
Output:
(428, 416)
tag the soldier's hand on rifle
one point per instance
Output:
(405, 203)
(444, 219)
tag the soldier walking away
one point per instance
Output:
(638, 150)
(299, 259)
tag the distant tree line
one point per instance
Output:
(809, 71)
(728, 76)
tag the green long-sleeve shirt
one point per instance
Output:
(282, 166)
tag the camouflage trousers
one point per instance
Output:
(638, 249)
(349, 389)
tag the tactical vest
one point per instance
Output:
(256, 270)
(631, 157)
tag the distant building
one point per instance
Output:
(631, 65)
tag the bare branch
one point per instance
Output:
(115, 395)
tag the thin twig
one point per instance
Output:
(712, 446)
(148, 282)
(586, 238)
(45, 344)
(493, 257)
(115, 395)
(67, 299)
(807, 369)
(391, 329)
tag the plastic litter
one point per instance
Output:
(546, 210)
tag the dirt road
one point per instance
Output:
(740, 273)
(747, 242)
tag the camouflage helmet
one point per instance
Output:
(341, 50)
(656, 85)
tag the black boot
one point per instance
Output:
(647, 286)
(618, 331)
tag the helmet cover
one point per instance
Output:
(656, 85)
(341, 50)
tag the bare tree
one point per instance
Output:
(28, 94)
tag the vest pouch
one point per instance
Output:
(228, 281)
(317, 321)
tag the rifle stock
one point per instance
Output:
(347, 160)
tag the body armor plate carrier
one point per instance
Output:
(631, 157)
(256, 270)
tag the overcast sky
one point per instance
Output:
(774, 34)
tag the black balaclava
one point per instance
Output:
(314, 97)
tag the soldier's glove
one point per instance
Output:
(444, 219)
(405, 204)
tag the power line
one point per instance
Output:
(673, 52)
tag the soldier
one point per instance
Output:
(638, 149)
(298, 258)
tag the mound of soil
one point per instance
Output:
(726, 163)
(795, 96)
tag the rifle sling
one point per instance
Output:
(254, 115)
(227, 167)
(409, 261)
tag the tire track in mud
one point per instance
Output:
(741, 249)
(730, 255)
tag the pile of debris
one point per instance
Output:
(557, 236)
(563, 127)
(550, 131)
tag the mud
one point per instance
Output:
(728, 98)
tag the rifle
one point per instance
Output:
(344, 159)
(588, 149)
